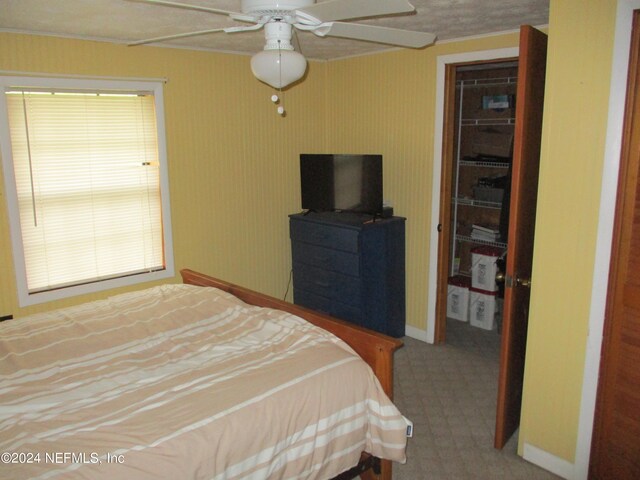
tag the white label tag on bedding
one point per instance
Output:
(409, 428)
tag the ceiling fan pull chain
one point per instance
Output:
(280, 108)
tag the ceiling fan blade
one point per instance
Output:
(172, 37)
(242, 28)
(346, 9)
(372, 33)
(187, 6)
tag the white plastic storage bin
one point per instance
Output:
(485, 309)
(484, 268)
(458, 298)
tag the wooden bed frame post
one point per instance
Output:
(375, 348)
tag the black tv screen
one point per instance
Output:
(332, 182)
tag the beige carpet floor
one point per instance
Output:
(449, 393)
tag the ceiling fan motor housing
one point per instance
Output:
(273, 7)
(277, 36)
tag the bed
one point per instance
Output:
(198, 380)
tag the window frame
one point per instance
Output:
(26, 298)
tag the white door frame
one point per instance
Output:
(615, 121)
(443, 61)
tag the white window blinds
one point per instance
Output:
(88, 185)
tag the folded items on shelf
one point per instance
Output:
(486, 233)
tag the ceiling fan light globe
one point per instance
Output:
(266, 67)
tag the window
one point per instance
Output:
(86, 182)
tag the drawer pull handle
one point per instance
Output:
(322, 284)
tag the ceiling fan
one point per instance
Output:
(278, 64)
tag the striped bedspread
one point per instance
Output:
(184, 382)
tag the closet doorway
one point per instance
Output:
(488, 193)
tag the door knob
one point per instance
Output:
(502, 277)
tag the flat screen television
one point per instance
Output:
(351, 183)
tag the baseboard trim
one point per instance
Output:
(416, 333)
(549, 462)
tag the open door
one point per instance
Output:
(522, 215)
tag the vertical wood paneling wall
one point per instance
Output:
(386, 104)
(573, 144)
(234, 178)
(233, 162)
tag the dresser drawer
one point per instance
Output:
(348, 312)
(331, 285)
(324, 235)
(351, 268)
(321, 304)
(312, 301)
(327, 258)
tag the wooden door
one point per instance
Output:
(615, 450)
(522, 215)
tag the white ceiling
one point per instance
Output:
(124, 21)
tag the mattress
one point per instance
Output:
(185, 382)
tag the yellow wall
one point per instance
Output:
(233, 162)
(396, 118)
(575, 121)
(230, 155)
(386, 104)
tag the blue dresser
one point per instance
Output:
(350, 267)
